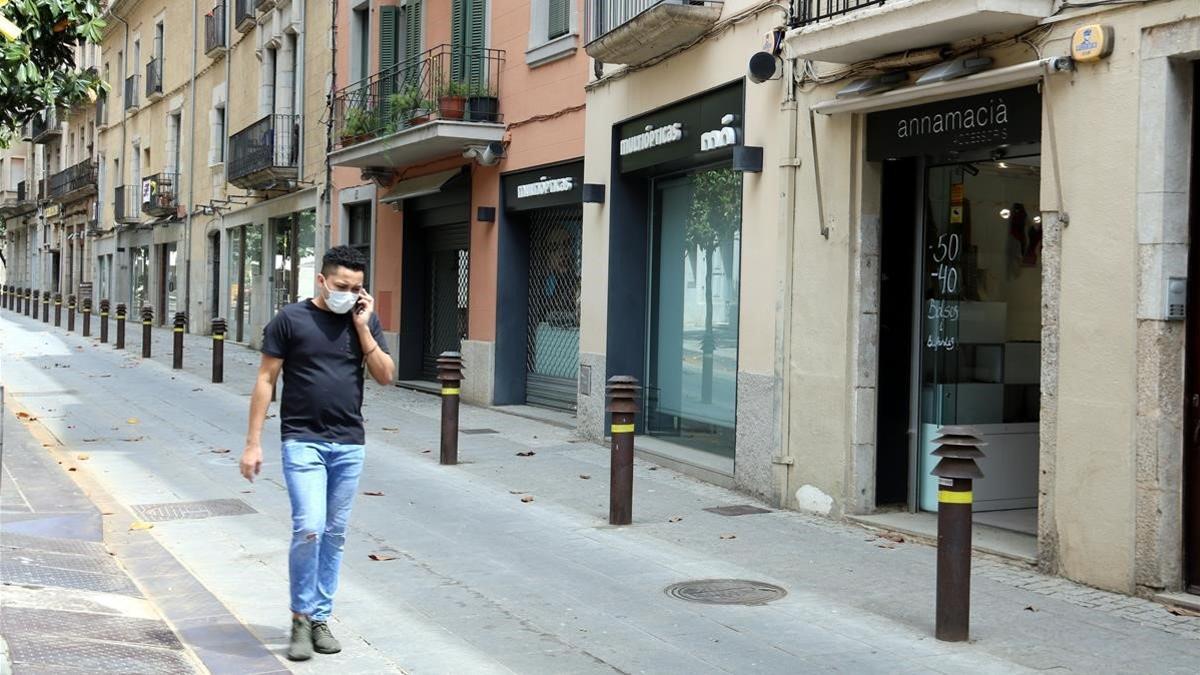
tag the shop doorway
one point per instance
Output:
(552, 335)
(973, 353)
(293, 274)
(168, 295)
(1191, 415)
(214, 275)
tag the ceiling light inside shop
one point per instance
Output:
(1005, 213)
(1002, 165)
(952, 70)
(873, 85)
(1037, 220)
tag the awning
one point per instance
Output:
(419, 186)
(989, 80)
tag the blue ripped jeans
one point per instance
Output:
(322, 479)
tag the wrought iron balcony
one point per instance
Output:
(265, 155)
(244, 15)
(125, 205)
(429, 106)
(131, 92)
(44, 126)
(17, 202)
(154, 80)
(160, 194)
(632, 32)
(77, 181)
(214, 30)
(849, 31)
(263, 5)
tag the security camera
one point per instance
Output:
(486, 155)
(765, 66)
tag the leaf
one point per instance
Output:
(141, 525)
(72, 469)
(90, 440)
(527, 498)
(676, 519)
(82, 456)
(389, 428)
(26, 417)
(373, 493)
(381, 556)
(729, 536)
(131, 420)
(1030, 608)
(1182, 611)
(220, 451)
(529, 453)
(584, 476)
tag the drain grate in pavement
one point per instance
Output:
(75, 655)
(16, 573)
(65, 561)
(52, 544)
(477, 432)
(87, 625)
(726, 592)
(736, 510)
(211, 508)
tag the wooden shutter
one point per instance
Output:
(560, 18)
(468, 30)
(412, 38)
(389, 24)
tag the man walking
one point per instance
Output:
(322, 346)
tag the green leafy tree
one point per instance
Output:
(715, 216)
(37, 58)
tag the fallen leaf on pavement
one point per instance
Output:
(141, 525)
(518, 492)
(1030, 609)
(82, 456)
(888, 546)
(426, 452)
(527, 498)
(676, 519)
(373, 493)
(585, 476)
(72, 469)
(389, 428)
(1182, 611)
(526, 454)
(25, 417)
(381, 556)
(131, 420)
(198, 389)
(90, 440)
(654, 468)
(729, 536)
(219, 451)
(892, 536)
(133, 440)
(106, 513)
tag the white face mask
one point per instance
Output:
(340, 302)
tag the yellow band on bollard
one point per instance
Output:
(178, 330)
(146, 323)
(103, 313)
(622, 428)
(947, 497)
(450, 391)
(218, 337)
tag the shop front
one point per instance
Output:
(960, 296)
(540, 274)
(675, 271)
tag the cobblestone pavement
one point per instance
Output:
(469, 576)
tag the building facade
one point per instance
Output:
(457, 164)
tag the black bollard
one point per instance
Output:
(121, 309)
(45, 307)
(70, 313)
(104, 306)
(58, 310)
(218, 357)
(147, 328)
(28, 299)
(958, 448)
(3, 296)
(450, 374)
(87, 317)
(622, 405)
(36, 302)
(177, 352)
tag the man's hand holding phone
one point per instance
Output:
(363, 309)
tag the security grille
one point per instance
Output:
(555, 270)
(446, 312)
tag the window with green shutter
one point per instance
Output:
(389, 53)
(468, 35)
(559, 18)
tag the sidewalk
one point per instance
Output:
(475, 580)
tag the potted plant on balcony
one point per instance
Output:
(360, 126)
(409, 107)
(452, 100)
(482, 103)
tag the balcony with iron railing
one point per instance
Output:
(214, 30)
(131, 92)
(434, 105)
(850, 31)
(266, 154)
(263, 5)
(160, 194)
(74, 182)
(243, 14)
(632, 32)
(125, 205)
(45, 126)
(154, 79)
(17, 202)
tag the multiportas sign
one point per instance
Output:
(702, 129)
(558, 185)
(1011, 117)
(545, 186)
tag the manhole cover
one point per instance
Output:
(726, 592)
(157, 513)
(476, 432)
(736, 510)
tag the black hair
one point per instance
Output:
(343, 256)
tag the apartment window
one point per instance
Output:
(468, 37)
(216, 152)
(16, 171)
(359, 232)
(552, 31)
(360, 43)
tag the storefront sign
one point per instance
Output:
(1011, 117)
(691, 132)
(540, 188)
(52, 210)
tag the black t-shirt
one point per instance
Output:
(322, 372)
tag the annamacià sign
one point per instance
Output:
(1010, 117)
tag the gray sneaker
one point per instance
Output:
(300, 648)
(323, 640)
